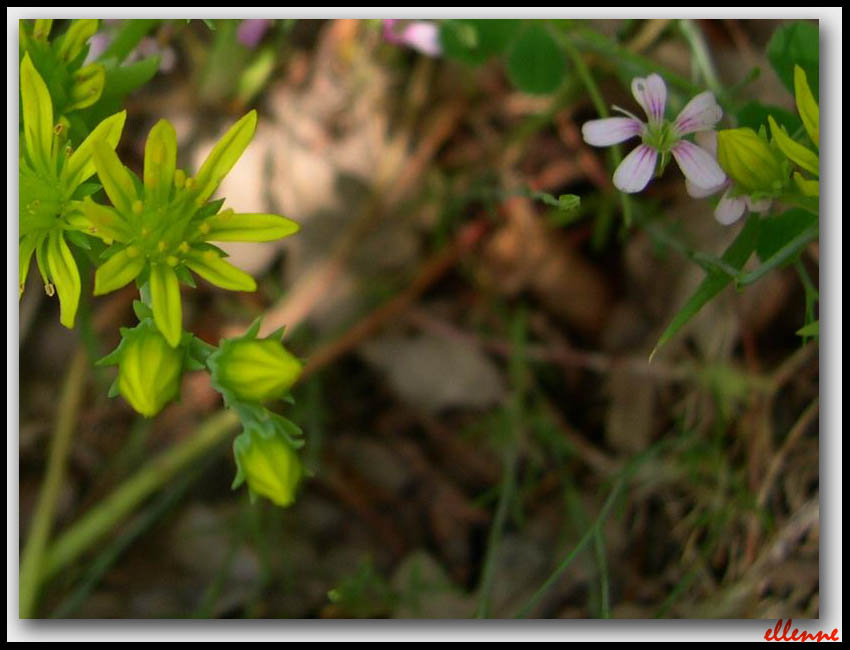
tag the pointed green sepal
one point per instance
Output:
(165, 299)
(37, 115)
(117, 181)
(160, 161)
(807, 106)
(797, 153)
(75, 38)
(119, 270)
(80, 166)
(215, 270)
(65, 275)
(230, 226)
(224, 155)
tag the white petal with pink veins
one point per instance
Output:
(651, 94)
(634, 172)
(700, 114)
(611, 130)
(697, 165)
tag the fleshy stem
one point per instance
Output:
(100, 520)
(599, 103)
(42, 522)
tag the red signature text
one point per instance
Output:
(778, 633)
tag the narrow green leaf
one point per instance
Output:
(807, 186)
(37, 115)
(806, 105)
(118, 271)
(736, 255)
(228, 226)
(224, 155)
(797, 153)
(812, 329)
(160, 161)
(117, 182)
(785, 254)
(65, 275)
(80, 166)
(165, 299)
(215, 270)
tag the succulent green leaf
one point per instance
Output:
(215, 270)
(37, 115)
(75, 39)
(796, 152)
(116, 180)
(80, 166)
(224, 155)
(229, 226)
(806, 105)
(160, 161)
(119, 270)
(65, 275)
(88, 86)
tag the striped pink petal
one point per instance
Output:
(611, 130)
(702, 192)
(651, 94)
(633, 174)
(697, 165)
(700, 114)
(729, 209)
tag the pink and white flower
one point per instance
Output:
(659, 137)
(420, 35)
(731, 207)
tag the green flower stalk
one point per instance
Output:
(52, 179)
(160, 227)
(268, 464)
(149, 369)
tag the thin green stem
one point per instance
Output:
(31, 562)
(589, 82)
(588, 535)
(514, 423)
(699, 49)
(602, 563)
(100, 520)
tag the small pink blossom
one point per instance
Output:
(419, 35)
(659, 136)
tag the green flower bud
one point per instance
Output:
(254, 370)
(149, 369)
(269, 465)
(749, 160)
